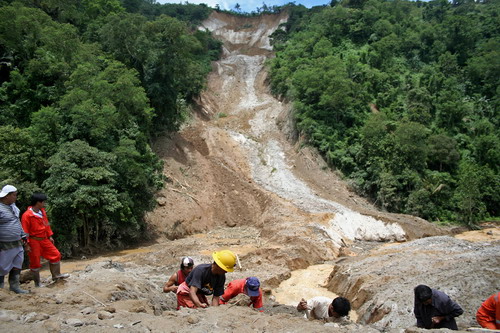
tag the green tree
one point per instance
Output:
(468, 194)
(17, 160)
(84, 201)
(104, 99)
(443, 152)
(410, 147)
(96, 8)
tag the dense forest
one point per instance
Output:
(84, 88)
(402, 97)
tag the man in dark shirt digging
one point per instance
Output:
(435, 309)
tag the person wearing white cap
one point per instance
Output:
(12, 240)
(187, 265)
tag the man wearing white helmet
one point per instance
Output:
(187, 265)
(205, 280)
(12, 240)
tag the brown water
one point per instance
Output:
(307, 283)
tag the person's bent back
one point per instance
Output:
(435, 309)
(325, 308)
(249, 286)
(488, 315)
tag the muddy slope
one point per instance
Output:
(233, 166)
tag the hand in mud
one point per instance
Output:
(436, 320)
(203, 305)
(302, 305)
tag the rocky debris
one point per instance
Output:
(88, 310)
(74, 322)
(161, 201)
(139, 309)
(115, 265)
(240, 300)
(192, 319)
(8, 315)
(52, 326)
(380, 283)
(33, 317)
(110, 309)
(104, 315)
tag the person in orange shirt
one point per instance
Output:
(36, 224)
(249, 286)
(488, 315)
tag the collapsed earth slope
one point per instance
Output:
(237, 180)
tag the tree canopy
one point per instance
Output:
(84, 88)
(401, 96)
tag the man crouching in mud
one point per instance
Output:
(205, 280)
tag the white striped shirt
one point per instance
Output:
(10, 226)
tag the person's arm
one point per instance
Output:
(449, 310)
(418, 315)
(194, 297)
(302, 306)
(229, 293)
(257, 302)
(452, 309)
(25, 223)
(485, 315)
(215, 300)
(48, 229)
(307, 307)
(170, 284)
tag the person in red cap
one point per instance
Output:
(249, 286)
(187, 265)
(36, 224)
(488, 315)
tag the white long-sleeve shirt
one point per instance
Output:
(317, 308)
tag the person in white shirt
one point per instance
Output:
(325, 308)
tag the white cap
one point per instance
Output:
(187, 261)
(6, 190)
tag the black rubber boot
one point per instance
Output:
(14, 282)
(36, 279)
(55, 270)
(2, 281)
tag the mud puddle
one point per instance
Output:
(307, 283)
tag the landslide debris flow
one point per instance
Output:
(237, 178)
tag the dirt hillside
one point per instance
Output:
(238, 178)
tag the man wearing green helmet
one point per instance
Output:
(205, 280)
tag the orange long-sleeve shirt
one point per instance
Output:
(36, 225)
(488, 315)
(237, 287)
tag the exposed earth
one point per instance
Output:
(240, 178)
